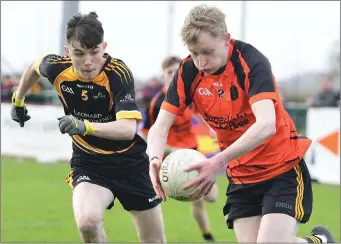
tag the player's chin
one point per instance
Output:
(89, 75)
(209, 71)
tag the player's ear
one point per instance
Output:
(67, 50)
(227, 39)
(105, 45)
(163, 75)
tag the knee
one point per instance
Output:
(212, 196)
(88, 223)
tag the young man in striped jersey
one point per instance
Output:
(109, 159)
(232, 86)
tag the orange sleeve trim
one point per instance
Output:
(151, 114)
(246, 71)
(181, 88)
(262, 96)
(170, 108)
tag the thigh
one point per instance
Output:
(149, 224)
(290, 194)
(90, 201)
(246, 229)
(243, 201)
(277, 227)
(89, 188)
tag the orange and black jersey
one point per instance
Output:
(224, 100)
(181, 134)
(110, 96)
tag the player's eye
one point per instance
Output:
(94, 53)
(79, 54)
(194, 54)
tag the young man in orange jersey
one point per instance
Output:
(232, 86)
(181, 135)
(109, 159)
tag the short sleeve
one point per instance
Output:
(259, 80)
(125, 104)
(178, 96)
(50, 66)
(261, 83)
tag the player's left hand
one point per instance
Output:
(203, 183)
(72, 126)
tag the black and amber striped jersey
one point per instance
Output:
(110, 96)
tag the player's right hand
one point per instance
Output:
(154, 169)
(19, 112)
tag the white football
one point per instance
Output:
(172, 174)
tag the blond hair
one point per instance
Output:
(203, 18)
(169, 61)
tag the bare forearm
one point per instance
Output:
(252, 138)
(156, 141)
(28, 79)
(123, 129)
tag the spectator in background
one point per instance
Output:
(327, 96)
(8, 84)
(150, 90)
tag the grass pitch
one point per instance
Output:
(36, 207)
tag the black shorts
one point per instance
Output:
(289, 193)
(130, 185)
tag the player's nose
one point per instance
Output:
(202, 62)
(88, 60)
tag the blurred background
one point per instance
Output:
(301, 40)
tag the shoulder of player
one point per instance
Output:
(187, 70)
(246, 54)
(118, 71)
(52, 65)
(55, 60)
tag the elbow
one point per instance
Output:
(130, 133)
(269, 129)
(129, 136)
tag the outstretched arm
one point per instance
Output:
(156, 141)
(28, 79)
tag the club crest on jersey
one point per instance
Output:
(234, 92)
(221, 93)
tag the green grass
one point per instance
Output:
(36, 207)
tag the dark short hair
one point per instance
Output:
(170, 60)
(86, 29)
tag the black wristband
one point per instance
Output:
(153, 158)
